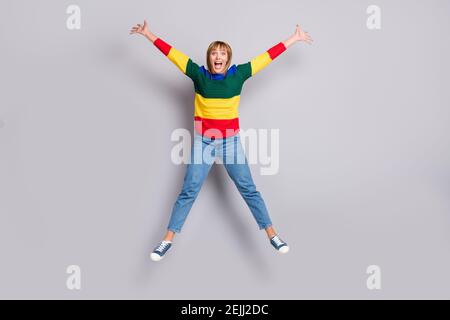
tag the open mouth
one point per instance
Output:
(218, 64)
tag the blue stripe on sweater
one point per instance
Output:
(218, 76)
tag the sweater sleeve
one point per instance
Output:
(261, 61)
(181, 60)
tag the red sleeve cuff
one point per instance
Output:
(163, 46)
(276, 50)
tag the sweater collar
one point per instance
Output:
(218, 76)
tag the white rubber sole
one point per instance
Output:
(155, 256)
(284, 249)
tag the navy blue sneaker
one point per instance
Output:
(161, 250)
(279, 244)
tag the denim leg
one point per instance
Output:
(195, 175)
(240, 173)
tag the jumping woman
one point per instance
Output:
(216, 128)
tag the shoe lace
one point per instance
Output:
(277, 240)
(162, 246)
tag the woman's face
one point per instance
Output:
(218, 59)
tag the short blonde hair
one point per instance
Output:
(220, 45)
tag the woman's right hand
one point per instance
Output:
(141, 29)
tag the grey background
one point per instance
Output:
(86, 176)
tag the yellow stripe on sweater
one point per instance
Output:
(259, 62)
(178, 58)
(216, 108)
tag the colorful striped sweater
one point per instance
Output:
(217, 96)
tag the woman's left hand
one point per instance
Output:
(301, 35)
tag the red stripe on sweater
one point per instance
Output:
(217, 128)
(163, 46)
(276, 50)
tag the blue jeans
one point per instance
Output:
(230, 153)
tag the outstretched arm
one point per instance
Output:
(181, 60)
(261, 61)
